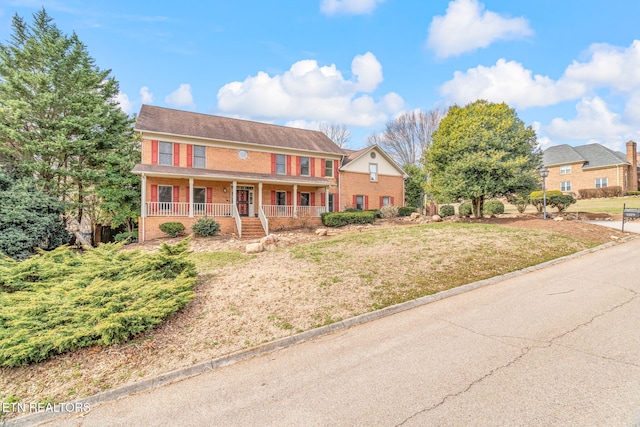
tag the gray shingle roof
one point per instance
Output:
(185, 123)
(591, 155)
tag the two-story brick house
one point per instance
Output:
(252, 177)
(591, 166)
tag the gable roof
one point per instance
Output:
(352, 155)
(185, 123)
(591, 155)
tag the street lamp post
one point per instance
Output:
(544, 173)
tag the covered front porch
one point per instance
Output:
(237, 204)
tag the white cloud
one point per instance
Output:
(146, 96)
(181, 97)
(125, 103)
(311, 92)
(609, 66)
(510, 82)
(468, 26)
(594, 121)
(348, 7)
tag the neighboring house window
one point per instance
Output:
(332, 203)
(565, 186)
(281, 168)
(304, 199)
(360, 202)
(602, 182)
(373, 172)
(199, 156)
(565, 170)
(328, 169)
(281, 198)
(165, 153)
(386, 201)
(304, 166)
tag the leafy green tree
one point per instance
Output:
(60, 122)
(414, 185)
(480, 151)
(29, 219)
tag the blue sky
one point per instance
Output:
(570, 68)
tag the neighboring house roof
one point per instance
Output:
(184, 123)
(353, 155)
(591, 155)
(174, 171)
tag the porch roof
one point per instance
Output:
(216, 175)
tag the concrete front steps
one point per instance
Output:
(252, 228)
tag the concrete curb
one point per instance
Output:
(184, 373)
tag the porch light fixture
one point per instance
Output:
(224, 189)
(544, 173)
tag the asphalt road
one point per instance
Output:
(559, 346)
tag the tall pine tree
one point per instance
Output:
(60, 123)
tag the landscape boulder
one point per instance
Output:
(436, 218)
(321, 232)
(269, 240)
(415, 215)
(254, 248)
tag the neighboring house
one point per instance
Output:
(591, 166)
(252, 177)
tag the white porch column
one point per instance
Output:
(326, 198)
(259, 196)
(143, 206)
(234, 193)
(190, 197)
(295, 200)
(143, 194)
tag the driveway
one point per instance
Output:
(556, 346)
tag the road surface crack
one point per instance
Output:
(524, 351)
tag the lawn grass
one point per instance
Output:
(404, 263)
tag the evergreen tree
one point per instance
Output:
(480, 151)
(60, 122)
(29, 219)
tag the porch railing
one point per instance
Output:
(264, 221)
(310, 211)
(182, 209)
(236, 216)
(271, 211)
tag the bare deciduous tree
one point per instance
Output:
(338, 133)
(409, 135)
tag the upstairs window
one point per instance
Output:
(304, 166)
(165, 156)
(281, 168)
(565, 170)
(328, 169)
(373, 172)
(199, 156)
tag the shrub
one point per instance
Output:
(536, 198)
(447, 210)
(127, 237)
(561, 202)
(493, 207)
(172, 229)
(110, 295)
(520, 202)
(594, 193)
(633, 193)
(205, 227)
(406, 210)
(337, 219)
(465, 209)
(388, 212)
